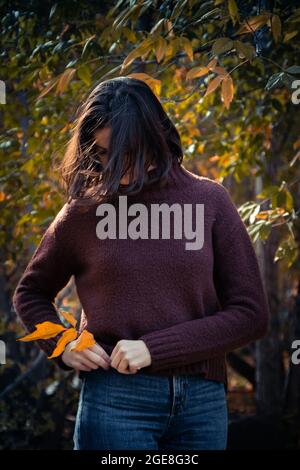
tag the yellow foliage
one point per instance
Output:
(85, 340)
(227, 90)
(44, 330)
(69, 335)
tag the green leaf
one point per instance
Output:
(265, 230)
(275, 80)
(245, 49)
(222, 45)
(233, 11)
(84, 74)
(294, 69)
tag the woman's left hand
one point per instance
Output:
(128, 356)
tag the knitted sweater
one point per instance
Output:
(189, 306)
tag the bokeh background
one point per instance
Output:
(226, 72)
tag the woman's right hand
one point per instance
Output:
(88, 359)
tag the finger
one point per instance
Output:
(93, 357)
(99, 350)
(116, 359)
(123, 366)
(79, 366)
(127, 370)
(86, 362)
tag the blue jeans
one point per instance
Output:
(150, 412)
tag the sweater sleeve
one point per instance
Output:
(244, 311)
(48, 271)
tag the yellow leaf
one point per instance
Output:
(214, 158)
(44, 330)
(85, 340)
(153, 83)
(67, 316)
(131, 57)
(196, 72)
(69, 335)
(211, 65)
(169, 27)
(2, 196)
(169, 49)
(220, 70)
(289, 36)
(276, 27)
(64, 80)
(213, 85)
(160, 48)
(48, 88)
(187, 46)
(139, 51)
(227, 90)
(233, 10)
(262, 215)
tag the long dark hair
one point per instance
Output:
(141, 135)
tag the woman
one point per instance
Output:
(169, 282)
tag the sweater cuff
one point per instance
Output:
(164, 348)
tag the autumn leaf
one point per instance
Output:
(140, 51)
(289, 36)
(211, 65)
(220, 70)
(153, 83)
(254, 23)
(43, 330)
(262, 215)
(233, 11)
(213, 85)
(70, 319)
(160, 48)
(64, 80)
(69, 335)
(52, 83)
(85, 340)
(275, 23)
(196, 72)
(187, 46)
(227, 90)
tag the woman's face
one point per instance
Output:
(102, 137)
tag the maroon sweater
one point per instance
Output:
(190, 307)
